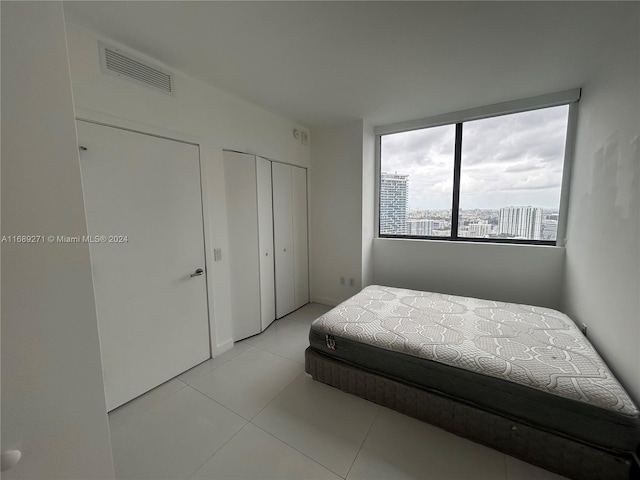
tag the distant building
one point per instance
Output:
(521, 222)
(394, 204)
(479, 230)
(422, 227)
(549, 229)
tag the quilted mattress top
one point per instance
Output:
(533, 346)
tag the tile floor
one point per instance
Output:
(251, 413)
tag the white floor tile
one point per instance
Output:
(248, 382)
(402, 447)
(254, 454)
(140, 406)
(175, 431)
(289, 340)
(519, 470)
(213, 363)
(309, 313)
(322, 422)
(174, 438)
(275, 327)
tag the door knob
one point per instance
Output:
(197, 273)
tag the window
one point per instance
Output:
(493, 178)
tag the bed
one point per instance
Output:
(518, 378)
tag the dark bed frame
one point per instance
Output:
(559, 454)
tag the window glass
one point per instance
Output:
(416, 182)
(511, 175)
(509, 185)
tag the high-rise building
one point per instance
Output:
(422, 227)
(549, 229)
(394, 203)
(479, 230)
(521, 222)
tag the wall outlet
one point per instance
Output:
(583, 329)
(341, 280)
(352, 282)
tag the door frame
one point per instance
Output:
(106, 120)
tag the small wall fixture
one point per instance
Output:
(9, 459)
(301, 136)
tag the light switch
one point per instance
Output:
(217, 254)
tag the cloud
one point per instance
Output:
(506, 160)
(535, 135)
(420, 148)
(522, 167)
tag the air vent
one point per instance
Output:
(116, 62)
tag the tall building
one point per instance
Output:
(422, 227)
(394, 203)
(549, 229)
(521, 222)
(479, 230)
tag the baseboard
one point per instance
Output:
(223, 347)
(325, 301)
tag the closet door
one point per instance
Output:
(265, 241)
(244, 263)
(283, 238)
(300, 237)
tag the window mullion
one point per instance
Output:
(457, 167)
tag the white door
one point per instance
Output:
(244, 263)
(144, 193)
(265, 234)
(300, 236)
(283, 238)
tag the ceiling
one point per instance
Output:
(320, 63)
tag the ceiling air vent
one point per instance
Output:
(116, 62)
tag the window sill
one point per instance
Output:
(467, 241)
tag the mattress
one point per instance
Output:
(528, 363)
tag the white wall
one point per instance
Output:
(216, 119)
(368, 202)
(602, 286)
(343, 244)
(53, 406)
(336, 186)
(513, 273)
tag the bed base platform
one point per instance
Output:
(554, 452)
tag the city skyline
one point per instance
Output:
(523, 222)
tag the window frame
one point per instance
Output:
(567, 97)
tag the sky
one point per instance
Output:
(513, 159)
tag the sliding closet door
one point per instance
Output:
(242, 222)
(300, 237)
(283, 238)
(265, 240)
(143, 195)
